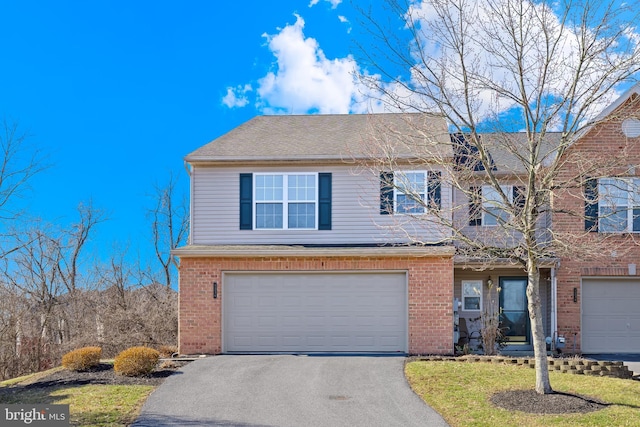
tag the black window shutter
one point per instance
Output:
(591, 204)
(475, 205)
(246, 201)
(434, 200)
(386, 193)
(324, 201)
(518, 199)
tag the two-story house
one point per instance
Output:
(293, 246)
(332, 233)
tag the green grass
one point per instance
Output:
(460, 392)
(89, 405)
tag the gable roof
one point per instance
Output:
(325, 137)
(633, 90)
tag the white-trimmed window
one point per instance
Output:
(493, 212)
(618, 205)
(410, 192)
(487, 207)
(472, 295)
(286, 201)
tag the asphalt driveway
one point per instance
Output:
(288, 390)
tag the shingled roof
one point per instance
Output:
(326, 137)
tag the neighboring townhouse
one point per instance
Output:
(480, 216)
(598, 293)
(294, 245)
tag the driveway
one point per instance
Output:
(288, 390)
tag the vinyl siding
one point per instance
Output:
(494, 235)
(356, 215)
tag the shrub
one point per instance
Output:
(82, 359)
(167, 351)
(136, 361)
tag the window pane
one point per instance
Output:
(493, 204)
(613, 204)
(268, 188)
(268, 215)
(302, 215)
(472, 303)
(407, 204)
(612, 220)
(410, 192)
(302, 188)
(471, 295)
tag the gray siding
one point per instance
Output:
(356, 215)
(494, 235)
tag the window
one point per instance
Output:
(472, 295)
(486, 206)
(618, 205)
(285, 201)
(410, 192)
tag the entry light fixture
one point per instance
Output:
(215, 290)
(575, 294)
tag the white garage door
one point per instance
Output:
(315, 312)
(610, 316)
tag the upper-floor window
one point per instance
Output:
(409, 192)
(618, 205)
(487, 206)
(286, 201)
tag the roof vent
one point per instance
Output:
(631, 128)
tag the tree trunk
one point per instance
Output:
(543, 385)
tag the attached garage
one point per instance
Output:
(610, 315)
(315, 312)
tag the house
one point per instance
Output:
(598, 294)
(326, 233)
(293, 246)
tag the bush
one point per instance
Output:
(82, 359)
(136, 361)
(167, 351)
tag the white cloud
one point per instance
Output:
(489, 57)
(304, 79)
(334, 3)
(237, 96)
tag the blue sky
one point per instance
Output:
(118, 92)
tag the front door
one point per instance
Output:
(514, 314)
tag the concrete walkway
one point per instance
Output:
(288, 390)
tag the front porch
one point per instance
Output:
(482, 290)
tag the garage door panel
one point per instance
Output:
(610, 318)
(323, 312)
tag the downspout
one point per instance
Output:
(189, 170)
(554, 306)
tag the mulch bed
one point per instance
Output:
(554, 403)
(101, 374)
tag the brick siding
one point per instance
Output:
(430, 296)
(603, 151)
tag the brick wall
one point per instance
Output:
(430, 296)
(603, 151)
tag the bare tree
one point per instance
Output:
(19, 163)
(490, 68)
(169, 226)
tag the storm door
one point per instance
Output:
(514, 315)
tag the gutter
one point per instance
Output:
(267, 251)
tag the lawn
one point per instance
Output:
(460, 392)
(90, 404)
